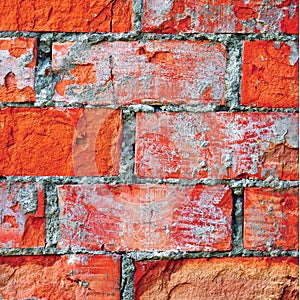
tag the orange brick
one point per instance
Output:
(17, 62)
(22, 221)
(60, 141)
(270, 74)
(67, 277)
(221, 16)
(70, 16)
(145, 217)
(271, 219)
(252, 278)
(140, 72)
(219, 145)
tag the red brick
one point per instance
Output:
(145, 217)
(221, 16)
(270, 74)
(71, 16)
(60, 141)
(252, 278)
(17, 62)
(271, 219)
(140, 72)
(22, 222)
(67, 277)
(219, 145)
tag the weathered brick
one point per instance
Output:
(251, 278)
(140, 72)
(270, 74)
(217, 145)
(145, 217)
(67, 277)
(271, 219)
(221, 16)
(17, 63)
(22, 221)
(60, 141)
(71, 16)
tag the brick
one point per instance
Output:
(252, 278)
(70, 16)
(145, 217)
(22, 220)
(221, 16)
(270, 74)
(140, 72)
(271, 219)
(67, 277)
(60, 141)
(220, 145)
(17, 63)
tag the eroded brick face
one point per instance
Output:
(221, 16)
(270, 74)
(67, 277)
(124, 73)
(22, 220)
(217, 145)
(271, 219)
(217, 278)
(60, 141)
(17, 62)
(145, 217)
(70, 16)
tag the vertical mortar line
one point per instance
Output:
(237, 221)
(127, 160)
(44, 83)
(127, 278)
(51, 214)
(138, 11)
(233, 76)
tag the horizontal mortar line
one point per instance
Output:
(152, 108)
(86, 180)
(98, 37)
(144, 255)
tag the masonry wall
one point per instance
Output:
(149, 149)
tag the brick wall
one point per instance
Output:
(149, 149)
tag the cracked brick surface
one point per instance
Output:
(70, 16)
(221, 16)
(152, 72)
(76, 276)
(218, 278)
(270, 74)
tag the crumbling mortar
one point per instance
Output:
(149, 108)
(127, 276)
(235, 184)
(145, 255)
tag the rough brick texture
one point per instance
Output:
(218, 278)
(59, 141)
(17, 62)
(65, 277)
(270, 74)
(271, 219)
(140, 72)
(71, 16)
(22, 221)
(221, 16)
(217, 145)
(145, 217)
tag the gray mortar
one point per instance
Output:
(51, 213)
(27, 197)
(127, 276)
